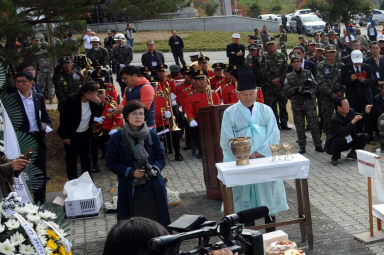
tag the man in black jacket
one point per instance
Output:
(76, 119)
(343, 134)
(376, 62)
(177, 46)
(236, 51)
(152, 58)
(36, 122)
(357, 77)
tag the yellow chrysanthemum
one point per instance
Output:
(52, 234)
(51, 244)
(54, 253)
(69, 253)
(62, 250)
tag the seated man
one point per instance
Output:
(343, 134)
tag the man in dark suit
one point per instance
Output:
(343, 134)
(307, 65)
(36, 121)
(376, 62)
(76, 119)
(177, 46)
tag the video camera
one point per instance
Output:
(229, 230)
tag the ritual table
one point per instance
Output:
(265, 170)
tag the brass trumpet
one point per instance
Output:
(168, 102)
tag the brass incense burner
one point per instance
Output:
(241, 149)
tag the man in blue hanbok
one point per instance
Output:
(250, 118)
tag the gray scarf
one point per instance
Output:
(139, 136)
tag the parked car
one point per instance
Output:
(360, 19)
(378, 16)
(311, 24)
(303, 11)
(268, 17)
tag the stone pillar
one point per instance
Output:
(227, 7)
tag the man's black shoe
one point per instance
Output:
(178, 157)
(285, 127)
(307, 128)
(352, 155)
(334, 162)
(319, 148)
(302, 150)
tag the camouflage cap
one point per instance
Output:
(319, 46)
(294, 56)
(253, 47)
(322, 33)
(271, 40)
(316, 33)
(330, 48)
(332, 32)
(65, 59)
(312, 43)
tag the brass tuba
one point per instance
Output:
(87, 68)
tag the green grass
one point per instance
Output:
(206, 41)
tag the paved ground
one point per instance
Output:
(338, 200)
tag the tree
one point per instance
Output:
(210, 9)
(275, 6)
(254, 10)
(136, 10)
(340, 10)
(381, 7)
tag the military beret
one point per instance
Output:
(161, 68)
(175, 68)
(218, 66)
(198, 74)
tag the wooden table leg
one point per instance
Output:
(300, 210)
(307, 211)
(227, 199)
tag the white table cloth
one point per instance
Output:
(263, 170)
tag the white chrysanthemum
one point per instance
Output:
(20, 210)
(54, 224)
(59, 231)
(6, 215)
(30, 208)
(26, 250)
(7, 248)
(12, 224)
(41, 229)
(48, 250)
(2, 227)
(43, 239)
(33, 217)
(17, 239)
(47, 215)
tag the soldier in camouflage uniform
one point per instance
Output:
(97, 54)
(311, 49)
(66, 80)
(319, 54)
(300, 87)
(264, 36)
(323, 38)
(44, 72)
(122, 56)
(273, 68)
(283, 40)
(330, 86)
(316, 37)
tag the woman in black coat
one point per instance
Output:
(135, 155)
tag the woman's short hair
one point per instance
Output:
(133, 106)
(89, 86)
(133, 235)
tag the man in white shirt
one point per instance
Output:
(87, 40)
(36, 122)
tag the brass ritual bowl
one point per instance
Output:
(241, 149)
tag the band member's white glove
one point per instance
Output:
(122, 66)
(167, 114)
(112, 132)
(99, 119)
(173, 99)
(193, 123)
(180, 108)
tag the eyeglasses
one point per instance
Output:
(137, 114)
(22, 81)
